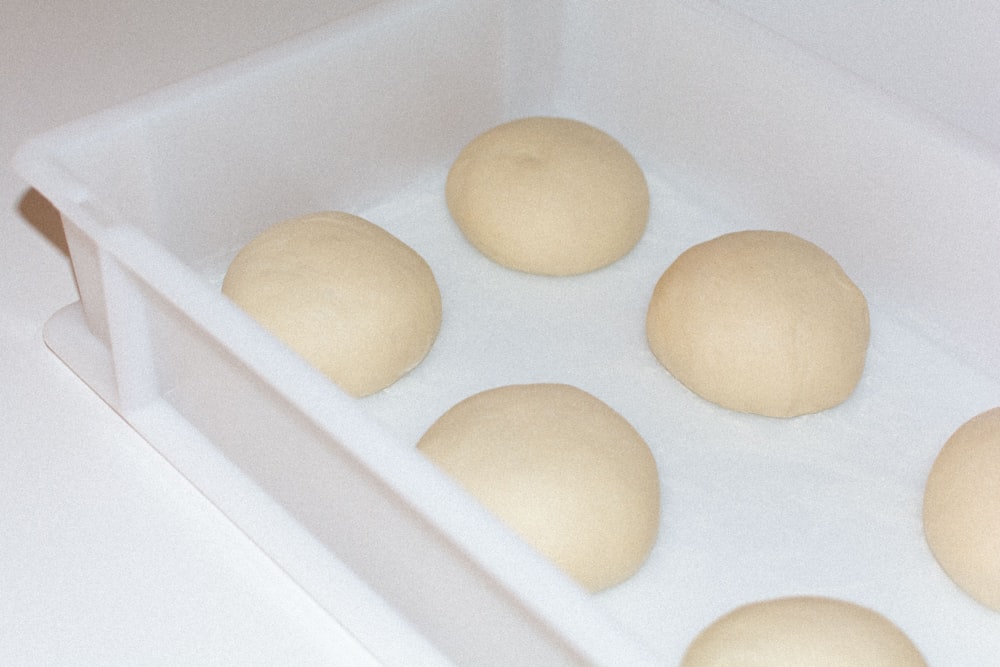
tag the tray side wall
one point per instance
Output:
(772, 137)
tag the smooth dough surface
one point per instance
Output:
(548, 195)
(562, 469)
(348, 296)
(798, 631)
(762, 322)
(962, 508)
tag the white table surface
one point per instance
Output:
(107, 555)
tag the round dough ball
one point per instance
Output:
(962, 508)
(349, 297)
(562, 469)
(762, 322)
(796, 631)
(552, 196)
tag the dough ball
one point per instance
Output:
(797, 631)
(349, 297)
(548, 195)
(562, 469)
(762, 322)
(962, 508)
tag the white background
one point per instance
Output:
(940, 56)
(107, 556)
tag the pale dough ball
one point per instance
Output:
(762, 322)
(562, 469)
(962, 508)
(798, 631)
(349, 297)
(548, 195)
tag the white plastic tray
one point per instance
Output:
(735, 129)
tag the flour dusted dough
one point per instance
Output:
(798, 631)
(548, 195)
(352, 299)
(762, 322)
(962, 508)
(561, 468)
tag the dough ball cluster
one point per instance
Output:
(756, 321)
(762, 322)
(349, 297)
(962, 508)
(547, 195)
(798, 631)
(562, 469)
